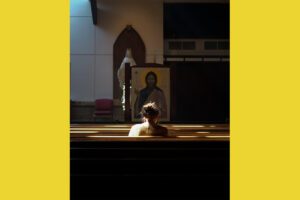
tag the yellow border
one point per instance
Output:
(34, 81)
(265, 100)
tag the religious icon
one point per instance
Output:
(150, 85)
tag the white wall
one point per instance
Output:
(92, 45)
(82, 51)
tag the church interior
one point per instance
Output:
(114, 46)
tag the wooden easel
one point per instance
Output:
(127, 92)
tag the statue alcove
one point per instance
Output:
(128, 39)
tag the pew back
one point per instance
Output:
(150, 169)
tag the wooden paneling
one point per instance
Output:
(82, 112)
(141, 170)
(199, 92)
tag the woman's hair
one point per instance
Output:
(153, 74)
(150, 110)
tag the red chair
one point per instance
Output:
(103, 108)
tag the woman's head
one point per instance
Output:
(151, 79)
(150, 111)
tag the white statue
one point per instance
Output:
(121, 73)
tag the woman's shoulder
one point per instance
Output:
(136, 130)
(163, 130)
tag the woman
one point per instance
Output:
(151, 93)
(150, 126)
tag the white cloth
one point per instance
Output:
(121, 71)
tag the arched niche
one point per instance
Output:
(128, 38)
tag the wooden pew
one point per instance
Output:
(178, 168)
